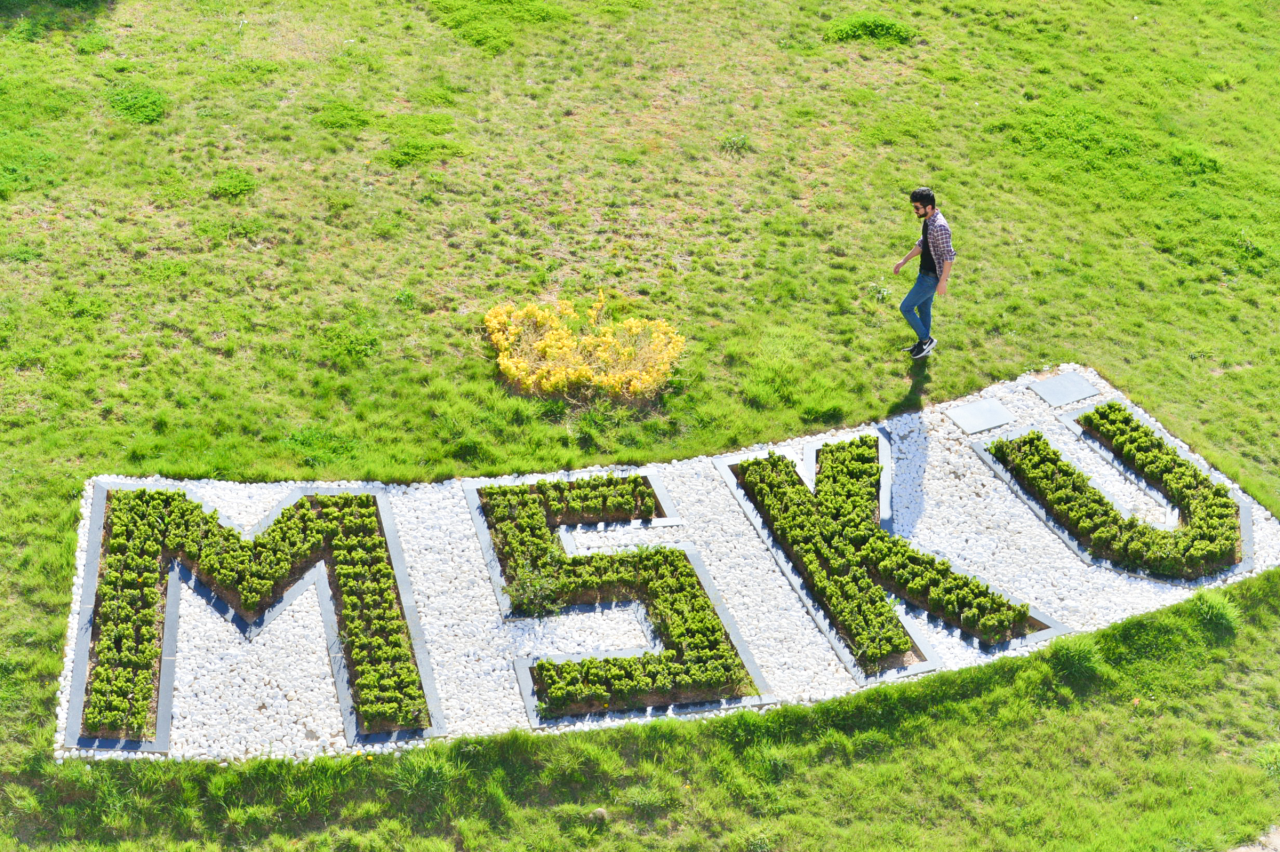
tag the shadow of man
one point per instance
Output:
(911, 400)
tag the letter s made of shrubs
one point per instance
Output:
(698, 661)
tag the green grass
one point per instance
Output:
(282, 276)
(1157, 733)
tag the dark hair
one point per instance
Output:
(923, 196)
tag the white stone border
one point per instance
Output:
(944, 500)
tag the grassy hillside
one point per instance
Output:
(256, 241)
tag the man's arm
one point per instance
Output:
(915, 252)
(942, 279)
(943, 252)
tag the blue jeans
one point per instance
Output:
(918, 306)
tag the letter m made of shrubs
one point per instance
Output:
(144, 531)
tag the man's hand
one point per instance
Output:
(942, 281)
(915, 252)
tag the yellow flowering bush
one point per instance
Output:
(542, 353)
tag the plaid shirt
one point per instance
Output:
(939, 239)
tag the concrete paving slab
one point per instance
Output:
(980, 416)
(1064, 389)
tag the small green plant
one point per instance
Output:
(92, 43)
(339, 201)
(349, 342)
(387, 227)
(737, 145)
(878, 292)
(1267, 758)
(139, 103)
(422, 151)
(869, 27)
(1076, 659)
(341, 115)
(233, 184)
(1217, 612)
(247, 227)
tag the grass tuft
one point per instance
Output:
(869, 26)
(234, 184)
(92, 43)
(139, 102)
(341, 115)
(1077, 661)
(1216, 612)
(492, 25)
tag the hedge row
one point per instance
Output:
(698, 662)
(145, 530)
(1209, 538)
(127, 617)
(596, 499)
(834, 539)
(384, 674)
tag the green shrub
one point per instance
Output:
(145, 530)
(139, 103)
(698, 661)
(1217, 612)
(868, 26)
(834, 539)
(1207, 541)
(491, 24)
(26, 29)
(433, 95)
(233, 184)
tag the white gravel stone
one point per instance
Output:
(276, 695)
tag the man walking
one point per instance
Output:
(934, 250)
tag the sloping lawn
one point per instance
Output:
(256, 242)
